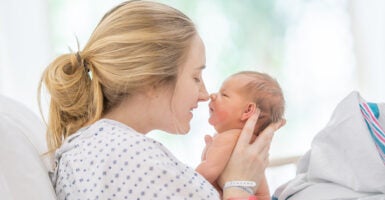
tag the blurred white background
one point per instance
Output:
(319, 51)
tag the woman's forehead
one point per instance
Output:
(196, 57)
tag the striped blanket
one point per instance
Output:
(371, 113)
(346, 159)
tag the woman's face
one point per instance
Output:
(190, 88)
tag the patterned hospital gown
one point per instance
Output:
(109, 160)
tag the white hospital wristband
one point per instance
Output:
(243, 185)
(240, 183)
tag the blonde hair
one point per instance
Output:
(136, 45)
(266, 93)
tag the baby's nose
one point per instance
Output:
(213, 96)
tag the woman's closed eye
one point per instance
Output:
(197, 79)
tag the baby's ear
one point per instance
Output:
(249, 110)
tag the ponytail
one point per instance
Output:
(75, 99)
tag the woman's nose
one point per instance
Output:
(203, 94)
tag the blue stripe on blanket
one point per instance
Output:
(374, 108)
(375, 129)
(374, 111)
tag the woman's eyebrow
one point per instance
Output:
(200, 67)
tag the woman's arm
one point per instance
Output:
(249, 160)
(263, 192)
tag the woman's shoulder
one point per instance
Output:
(122, 140)
(117, 133)
(111, 153)
(106, 138)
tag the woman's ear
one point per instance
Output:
(153, 91)
(249, 110)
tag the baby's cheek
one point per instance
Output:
(217, 117)
(222, 115)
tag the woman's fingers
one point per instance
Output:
(263, 142)
(248, 129)
(265, 137)
(248, 161)
(283, 122)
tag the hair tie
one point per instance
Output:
(84, 64)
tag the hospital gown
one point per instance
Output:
(109, 160)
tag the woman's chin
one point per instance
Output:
(182, 129)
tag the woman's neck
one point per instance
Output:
(133, 112)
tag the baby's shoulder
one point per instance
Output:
(230, 132)
(237, 131)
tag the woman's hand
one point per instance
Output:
(248, 161)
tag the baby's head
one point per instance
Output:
(240, 95)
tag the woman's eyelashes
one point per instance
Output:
(196, 79)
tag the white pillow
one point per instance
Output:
(23, 174)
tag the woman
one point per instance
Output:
(141, 70)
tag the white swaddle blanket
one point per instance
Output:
(343, 162)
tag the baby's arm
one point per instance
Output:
(217, 155)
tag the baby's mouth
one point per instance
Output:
(211, 109)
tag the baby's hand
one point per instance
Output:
(208, 141)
